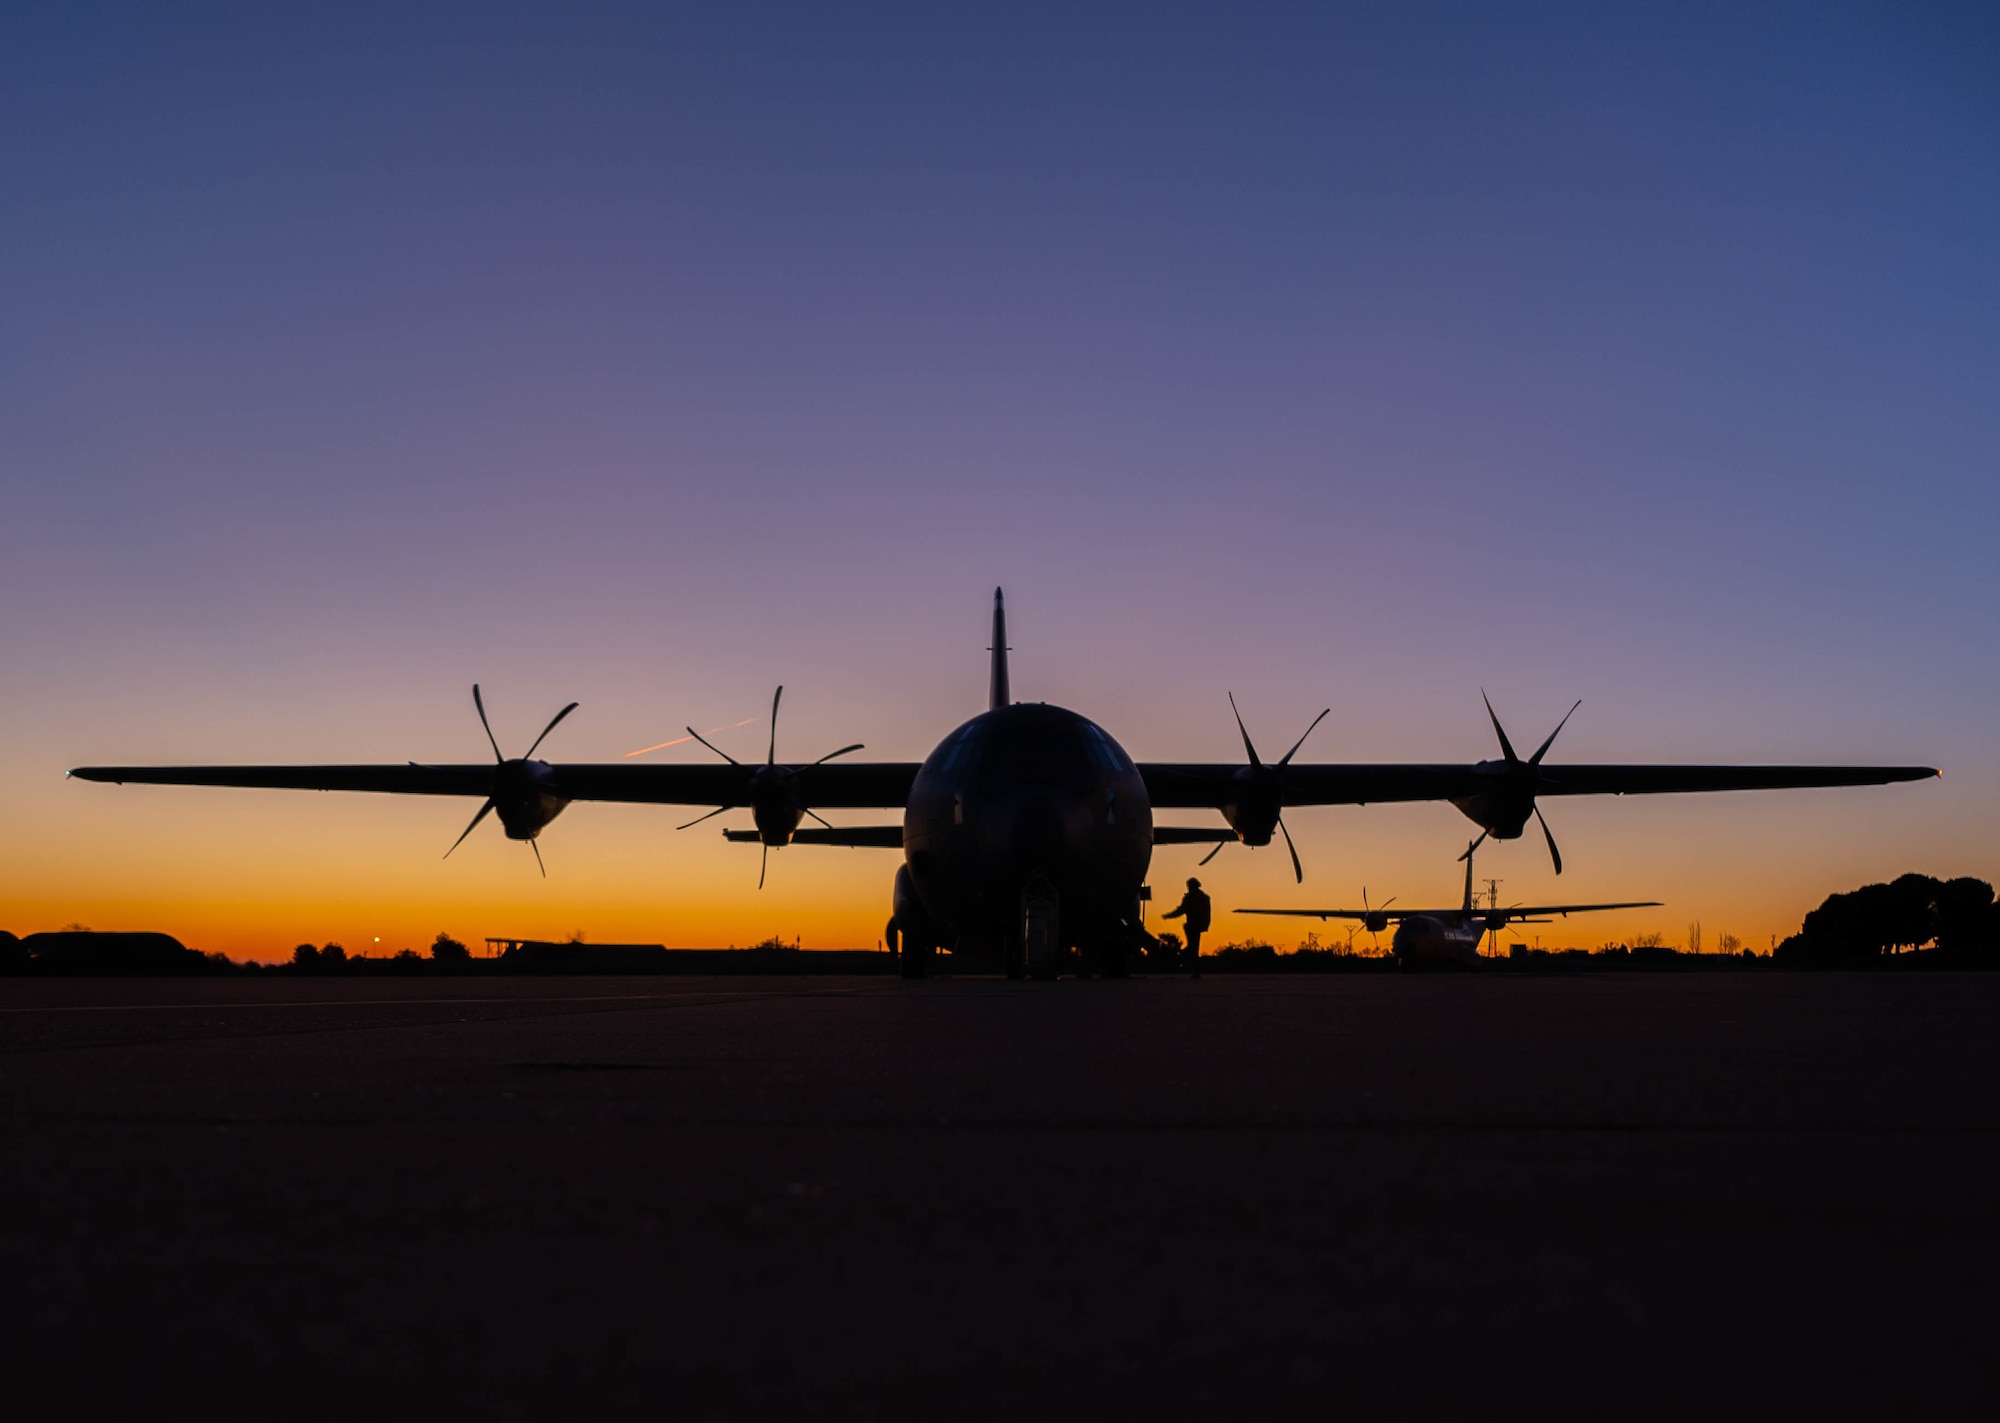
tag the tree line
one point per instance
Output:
(1952, 921)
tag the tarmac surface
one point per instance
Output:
(1640, 1195)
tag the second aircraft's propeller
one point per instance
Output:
(510, 778)
(1373, 919)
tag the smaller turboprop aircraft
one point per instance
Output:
(1447, 937)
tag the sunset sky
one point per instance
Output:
(649, 357)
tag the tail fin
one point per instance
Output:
(997, 694)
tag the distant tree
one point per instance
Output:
(1907, 913)
(446, 949)
(1694, 937)
(306, 956)
(1728, 944)
(408, 956)
(1255, 955)
(1649, 941)
(1967, 920)
(1165, 949)
(333, 956)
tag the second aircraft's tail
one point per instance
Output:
(997, 693)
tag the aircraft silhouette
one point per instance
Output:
(1027, 830)
(1448, 936)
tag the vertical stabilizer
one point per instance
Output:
(997, 693)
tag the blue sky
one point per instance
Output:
(1334, 355)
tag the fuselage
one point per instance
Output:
(1025, 803)
(1440, 938)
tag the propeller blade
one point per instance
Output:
(820, 818)
(710, 816)
(1506, 746)
(1298, 873)
(538, 859)
(1536, 759)
(1211, 854)
(772, 758)
(483, 811)
(547, 729)
(1286, 759)
(1555, 855)
(1389, 901)
(480, 703)
(857, 746)
(713, 747)
(763, 865)
(1248, 749)
(1475, 845)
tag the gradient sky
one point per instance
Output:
(652, 356)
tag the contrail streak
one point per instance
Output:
(679, 739)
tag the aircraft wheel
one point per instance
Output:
(915, 958)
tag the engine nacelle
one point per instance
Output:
(775, 805)
(913, 922)
(1502, 814)
(1256, 800)
(524, 798)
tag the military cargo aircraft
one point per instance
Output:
(1448, 937)
(1027, 831)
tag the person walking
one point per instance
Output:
(1193, 908)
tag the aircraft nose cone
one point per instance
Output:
(1037, 837)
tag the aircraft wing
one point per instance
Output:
(1190, 835)
(1667, 780)
(1393, 916)
(879, 785)
(857, 785)
(854, 837)
(406, 779)
(1183, 785)
(1396, 916)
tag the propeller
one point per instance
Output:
(1263, 792)
(506, 772)
(1529, 771)
(774, 796)
(1374, 923)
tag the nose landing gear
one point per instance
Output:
(1040, 946)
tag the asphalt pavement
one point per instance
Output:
(1644, 1195)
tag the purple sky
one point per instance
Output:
(1328, 355)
